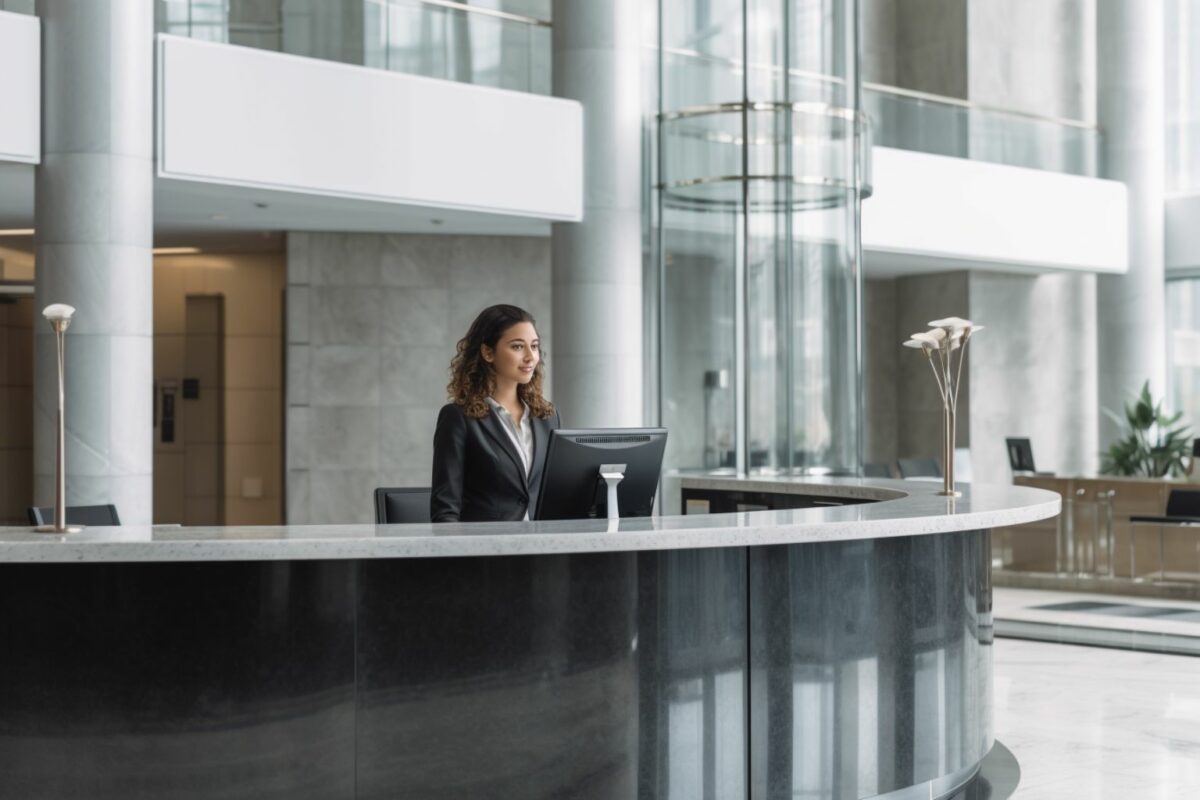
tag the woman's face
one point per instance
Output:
(516, 354)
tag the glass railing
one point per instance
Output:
(909, 120)
(499, 43)
(899, 118)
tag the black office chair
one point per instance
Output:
(877, 470)
(402, 505)
(919, 467)
(91, 516)
(1183, 511)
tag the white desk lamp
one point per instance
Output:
(59, 316)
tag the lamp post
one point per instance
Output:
(59, 316)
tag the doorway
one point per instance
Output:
(189, 429)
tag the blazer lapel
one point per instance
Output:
(495, 428)
(541, 443)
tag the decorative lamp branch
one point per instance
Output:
(945, 338)
(59, 316)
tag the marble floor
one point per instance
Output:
(1130, 623)
(1088, 722)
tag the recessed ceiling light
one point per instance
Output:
(16, 231)
(176, 251)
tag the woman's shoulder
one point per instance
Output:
(451, 412)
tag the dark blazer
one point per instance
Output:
(478, 475)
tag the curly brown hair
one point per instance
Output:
(472, 379)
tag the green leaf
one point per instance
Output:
(1150, 445)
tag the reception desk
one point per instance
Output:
(1094, 537)
(824, 652)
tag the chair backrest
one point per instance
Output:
(410, 504)
(77, 515)
(1183, 503)
(1020, 454)
(919, 468)
(877, 470)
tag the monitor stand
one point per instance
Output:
(612, 475)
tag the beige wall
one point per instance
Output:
(881, 363)
(16, 391)
(16, 410)
(252, 287)
(931, 55)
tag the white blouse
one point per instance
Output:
(520, 435)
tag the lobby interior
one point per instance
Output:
(277, 217)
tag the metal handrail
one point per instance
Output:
(487, 12)
(271, 27)
(881, 88)
(972, 106)
(816, 109)
(740, 64)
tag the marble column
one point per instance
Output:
(94, 219)
(1131, 307)
(596, 355)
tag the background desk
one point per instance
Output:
(1076, 542)
(829, 652)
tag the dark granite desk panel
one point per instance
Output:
(823, 669)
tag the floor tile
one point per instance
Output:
(1085, 722)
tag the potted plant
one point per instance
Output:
(1149, 446)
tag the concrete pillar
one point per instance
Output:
(596, 355)
(1131, 332)
(94, 218)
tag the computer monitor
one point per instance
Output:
(571, 484)
(1020, 454)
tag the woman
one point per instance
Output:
(491, 439)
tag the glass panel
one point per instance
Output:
(448, 43)
(759, 166)
(825, 426)
(698, 337)
(1183, 348)
(950, 129)
(197, 19)
(1183, 94)
(484, 47)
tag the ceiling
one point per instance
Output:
(224, 217)
(184, 210)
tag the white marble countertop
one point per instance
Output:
(902, 509)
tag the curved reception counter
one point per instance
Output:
(836, 648)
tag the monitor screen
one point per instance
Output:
(1020, 454)
(571, 484)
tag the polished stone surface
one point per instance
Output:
(507, 677)
(828, 670)
(900, 509)
(901, 626)
(1100, 724)
(1157, 625)
(94, 214)
(185, 681)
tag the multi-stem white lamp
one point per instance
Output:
(59, 316)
